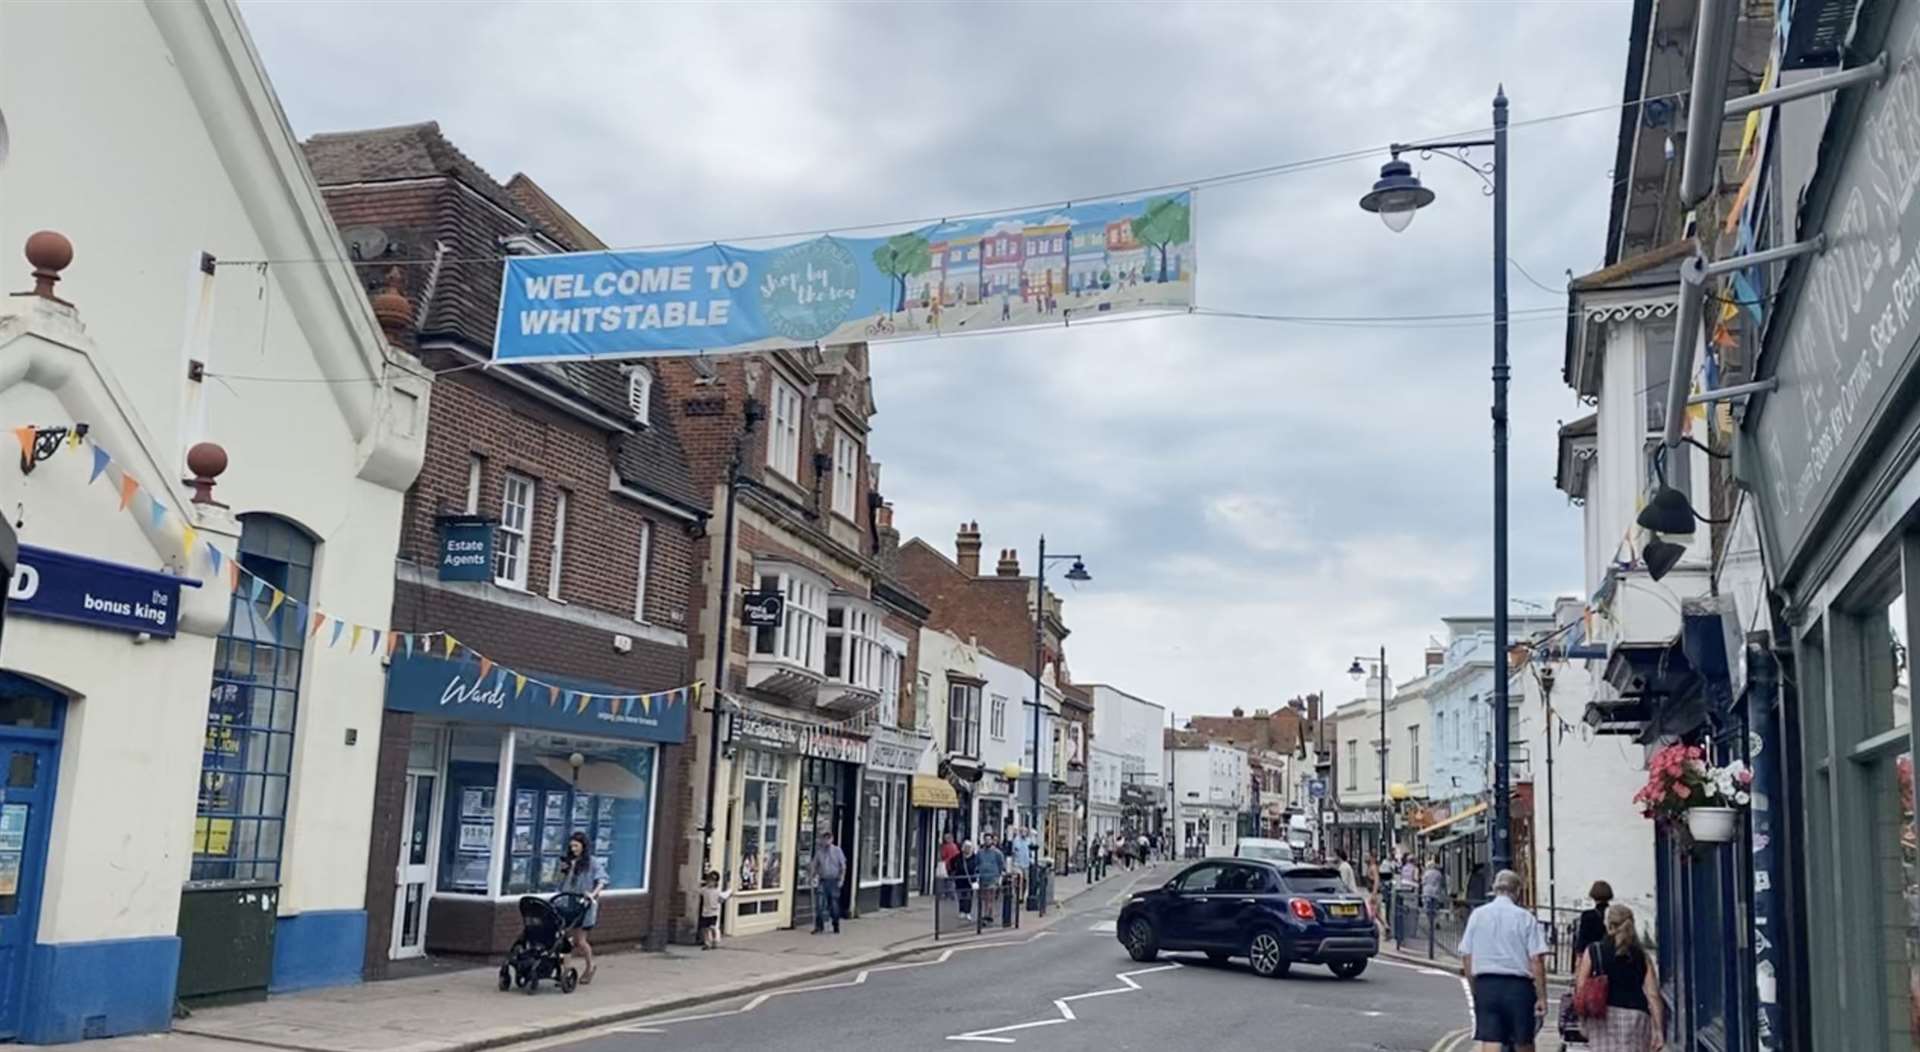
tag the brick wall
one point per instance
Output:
(383, 853)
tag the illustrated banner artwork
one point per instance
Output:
(1045, 267)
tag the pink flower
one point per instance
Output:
(1682, 791)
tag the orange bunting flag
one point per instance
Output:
(450, 643)
(354, 643)
(392, 638)
(553, 695)
(128, 487)
(26, 435)
(318, 620)
(233, 576)
(486, 666)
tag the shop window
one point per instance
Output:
(473, 779)
(608, 798)
(247, 759)
(875, 799)
(897, 832)
(763, 791)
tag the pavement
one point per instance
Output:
(464, 1011)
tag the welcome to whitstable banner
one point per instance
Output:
(998, 272)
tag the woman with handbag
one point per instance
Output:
(1617, 990)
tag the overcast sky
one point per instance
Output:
(1258, 502)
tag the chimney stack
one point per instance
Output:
(1239, 713)
(966, 549)
(1009, 563)
(1435, 658)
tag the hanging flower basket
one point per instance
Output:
(1692, 798)
(1712, 825)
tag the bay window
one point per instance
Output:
(852, 653)
(799, 637)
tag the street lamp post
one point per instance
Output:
(1076, 572)
(1395, 198)
(1359, 673)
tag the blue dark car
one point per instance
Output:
(1274, 914)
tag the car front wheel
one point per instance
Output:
(1143, 943)
(1267, 957)
(1347, 969)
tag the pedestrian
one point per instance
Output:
(1635, 1019)
(1433, 886)
(961, 870)
(1021, 849)
(949, 850)
(1505, 956)
(712, 901)
(1346, 871)
(990, 865)
(1141, 846)
(585, 876)
(829, 868)
(1593, 922)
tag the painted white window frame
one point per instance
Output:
(923, 701)
(642, 568)
(800, 638)
(559, 545)
(783, 430)
(997, 721)
(519, 559)
(640, 393)
(859, 636)
(846, 473)
(1353, 764)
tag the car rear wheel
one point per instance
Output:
(1347, 969)
(1143, 943)
(1266, 956)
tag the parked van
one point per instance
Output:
(1263, 849)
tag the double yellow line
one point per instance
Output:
(1458, 1041)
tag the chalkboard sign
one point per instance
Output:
(1851, 323)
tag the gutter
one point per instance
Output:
(621, 488)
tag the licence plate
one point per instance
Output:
(1343, 909)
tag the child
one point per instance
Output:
(712, 899)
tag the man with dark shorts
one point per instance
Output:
(1505, 955)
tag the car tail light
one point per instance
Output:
(1302, 909)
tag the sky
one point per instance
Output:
(1258, 502)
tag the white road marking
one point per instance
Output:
(652, 1026)
(1060, 1005)
(1108, 927)
(1421, 968)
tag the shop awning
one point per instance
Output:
(1461, 817)
(933, 791)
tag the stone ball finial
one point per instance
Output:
(207, 461)
(50, 252)
(390, 305)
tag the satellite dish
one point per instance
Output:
(364, 242)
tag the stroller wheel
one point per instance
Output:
(506, 979)
(533, 984)
(569, 980)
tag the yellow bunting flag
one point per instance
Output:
(450, 643)
(274, 606)
(486, 666)
(519, 684)
(354, 643)
(188, 535)
(128, 487)
(585, 700)
(26, 436)
(646, 704)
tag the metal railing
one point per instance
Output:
(1431, 927)
(964, 906)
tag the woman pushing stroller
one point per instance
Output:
(585, 876)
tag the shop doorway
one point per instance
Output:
(414, 875)
(826, 806)
(30, 723)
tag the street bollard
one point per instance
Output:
(1432, 919)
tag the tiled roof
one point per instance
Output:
(465, 297)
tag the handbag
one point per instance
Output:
(1590, 997)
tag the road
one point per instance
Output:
(1070, 987)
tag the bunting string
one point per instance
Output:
(244, 584)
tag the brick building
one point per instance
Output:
(997, 612)
(816, 726)
(550, 538)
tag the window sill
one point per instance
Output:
(510, 586)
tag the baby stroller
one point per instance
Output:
(541, 951)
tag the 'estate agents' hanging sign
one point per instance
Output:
(466, 548)
(1044, 267)
(65, 587)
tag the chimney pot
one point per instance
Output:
(966, 547)
(50, 253)
(1239, 712)
(393, 310)
(1009, 563)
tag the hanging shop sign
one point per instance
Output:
(63, 587)
(762, 609)
(762, 731)
(1011, 270)
(1850, 323)
(482, 692)
(466, 548)
(895, 751)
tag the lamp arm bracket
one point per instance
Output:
(1457, 152)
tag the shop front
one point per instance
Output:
(501, 768)
(936, 811)
(784, 767)
(885, 794)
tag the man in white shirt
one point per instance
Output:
(1505, 955)
(1346, 871)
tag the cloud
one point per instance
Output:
(1258, 502)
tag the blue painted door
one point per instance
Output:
(27, 770)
